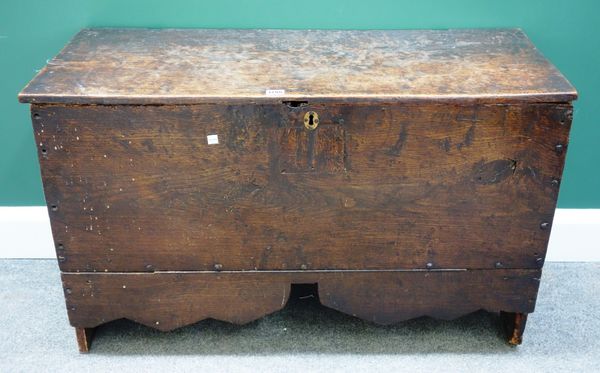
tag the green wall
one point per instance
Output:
(31, 32)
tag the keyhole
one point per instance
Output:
(311, 120)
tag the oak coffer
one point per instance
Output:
(194, 174)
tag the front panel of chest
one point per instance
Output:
(295, 187)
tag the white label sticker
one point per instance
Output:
(212, 139)
(275, 92)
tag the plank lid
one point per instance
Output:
(187, 66)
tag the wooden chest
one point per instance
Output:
(194, 174)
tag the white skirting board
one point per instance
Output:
(25, 233)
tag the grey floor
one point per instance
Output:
(562, 335)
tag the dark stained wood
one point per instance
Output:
(84, 339)
(167, 301)
(427, 187)
(390, 297)
(514, 326)
(142, 66)
(137, 188)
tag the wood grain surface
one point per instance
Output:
(181, 187)
(135, 66)
(138, 188)
(166, 301)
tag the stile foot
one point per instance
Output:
(84, 339)
(514, 325)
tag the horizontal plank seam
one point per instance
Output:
(304, 271)
(553, 97)
(313, 103)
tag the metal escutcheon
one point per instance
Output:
(311, 120)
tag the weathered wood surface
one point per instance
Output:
(514, 326)
(427, 188)
(84, 336)
(166, 301)
(134, 66)
(137, 188)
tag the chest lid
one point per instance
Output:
(188, 66)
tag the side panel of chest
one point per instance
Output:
(142, 188)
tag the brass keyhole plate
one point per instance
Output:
(311, 120)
